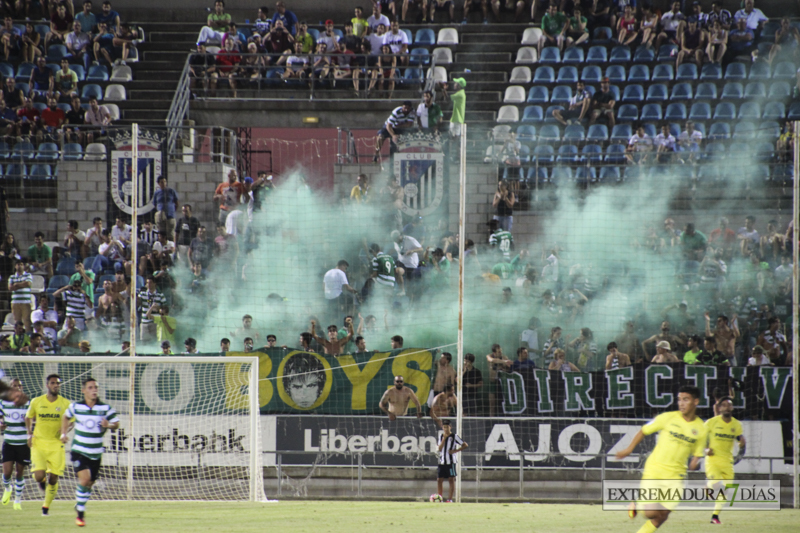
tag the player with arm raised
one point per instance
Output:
(15, 445)
(723, 430)
(92, 418)
(47, 451)
(681, 434)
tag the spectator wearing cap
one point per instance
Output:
(398, 42)
(459, 99)
(759, 358)
(166, 348)
(754, 18)
(402, 118)
(328, 37)
(166, 202)
(217, 24)
(693, 43)
(288, 18)
(664, 354)
(603, 104)
(85, 346)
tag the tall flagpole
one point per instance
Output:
(462, 207)
(134, 251)
(795, 236)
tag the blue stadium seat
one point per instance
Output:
(687, 71)
(538, 95)
(601, 35)
(620, 54)
(597, 54)
(725, 111)
(681, 91)
(526, 133)
(419, 56)
(615, 73)
(533, 113)
(561, 174)
(785, 70)
(24, 72)
(16, 171)
(55, 52)
(544, 154)
(650, 129)
(407, 32)
(40, 172)
(585, 175)
(314, 33)
(755, 89)
(732, 91)
(615, 91)
(79, 71)
(783, 174)
(524, 153)
(40, 106)
(639, 74)
(643, 55)
(615, 153)
(550, 55)
(675, 129)
(97, 73)
(675, 111)
(574, 133)
(6, 70)
(749, 111)
(412, 76)
(544, 75)
(633, 93)
(706, 91)
(636, 172)
(769, 130)
(561, 94)
(567, 75)
(591, 74)
(5, 152)
(736, 71)
(593, 153)
(60, 280)
(621, 132)
(794, 111)
(91, 90)
(759, 71)
(573, 55)
(765, 150)
(597, 132)
(667, 52)
(651, 112)
(22, 86)
(774, 111)
(711, 71)
(47, 152)
(720, 130)
(610, 174)
(567, 154)
(425, 37)
(548, 115)
(779, 90)
(664, 72)
(537, 175)
(700, 111)
(744, 130)
(73, 152)
(23, 151)
(657, 93)
(549, 133)
(627, 113)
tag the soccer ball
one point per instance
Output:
(436, 498)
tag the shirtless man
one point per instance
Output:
(445, 374)
(333, 345)
(724, 334)
(497, 363)
(395, 400)
(663, 336)
(109, 296)
(120, 286)
(443, 403)
(663, 354)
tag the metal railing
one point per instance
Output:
(179, 109)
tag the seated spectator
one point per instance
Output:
(522, 361)
(342, 63)
(754, 18)
(664, 143)
(449, 7)
(672, 24)
(41, 80)
(66, 82)
(723, 237)
(125, 39)
(577, 29)
(398, 41)
(60, 25)
(86, 18)
(627, 27)
(69, 336)
(616, 359)
(29, 42)
(603, 104)
(8, 120)
(554, 28)
(27, 120)
(103, 44)
(227, 68)
(648, 26)
(376, 38)
(286, 17)
(217, 24)
(600, 14)
(110, 253)
(690, 140)
(367, 64)
(328, 37)
(52, 119)
(402, 118)
(692, 44)
(351, 41)
(163, 245)
(710, 354)
(46, 319)
(561, 364)
(321, 62)
(787, 37)
(741, 39)
(73, 121)
(304, 37)
(97, 115)
(109, 17)
(387, 71)
(718, 14)
(78, 44)
(236, 36)
(377, 19)
(664, 354)
(201, 66)
(297, 64)
(93, 237)
(262, 22)
(759, 358)
(280, 40)
(639, 147)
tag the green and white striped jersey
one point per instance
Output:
(502, 239)
(88, 439)
(21, 296)
(75, 302)
(384, 265)
(14, 420)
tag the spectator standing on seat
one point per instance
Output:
(603, 104)
(217, 24)
(578, 107)
(78, 44)
(577, 29)
(60, 25)
(672, 24)
(166, 203)
(40, 256)
(693, 44)
(754, 18)
(402, 118)
(19, 284)
(288, 18)
(554, 28)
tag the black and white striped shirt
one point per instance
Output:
(400, 119)
(446, 456)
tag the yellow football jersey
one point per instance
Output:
(48, 416)
(677, 441)
(721, 436)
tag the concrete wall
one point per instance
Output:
(82, 187)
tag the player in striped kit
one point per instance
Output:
(20, 284)
(449, 444)
(501, 240)
(15, 446)
(92, 418)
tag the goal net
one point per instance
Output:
(189, 425)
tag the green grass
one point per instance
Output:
(370, 517)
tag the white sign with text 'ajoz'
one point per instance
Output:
(691, 495)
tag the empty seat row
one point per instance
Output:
(96, 72)
(34, 172)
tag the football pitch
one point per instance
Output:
(352, 517)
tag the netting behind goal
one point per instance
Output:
(193, 434)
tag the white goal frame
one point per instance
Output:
(256, 485)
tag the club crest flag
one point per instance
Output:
(123, 177)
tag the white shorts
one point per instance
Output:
(455, 129)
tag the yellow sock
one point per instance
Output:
(648, 527)
(718, 505)
(50, 494)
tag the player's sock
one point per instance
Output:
(19, 486)
(50, 494)
(648, 527)
(6, 483)
(6, 490)
(82, 495)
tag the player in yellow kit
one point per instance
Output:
(681, 434)
(47, 450)
(723, 430)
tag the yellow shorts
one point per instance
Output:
(653, 481)
(48, 456)
(715, 473)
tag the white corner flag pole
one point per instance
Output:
(134, 252)
(462, 205)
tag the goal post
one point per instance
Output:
(196, 420)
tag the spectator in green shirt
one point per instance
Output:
(693, 243)
(40, 256)
(459, 99)
(577, 31)
(429, 113)
(554, 27)
(216, 24)
(694, 351)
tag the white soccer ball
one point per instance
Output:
(436, 498)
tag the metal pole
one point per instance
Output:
(255, 438)
(132, 317)
(462, 213)
(359, 474)
(280, 472)
(795, 340)
(521, 476)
